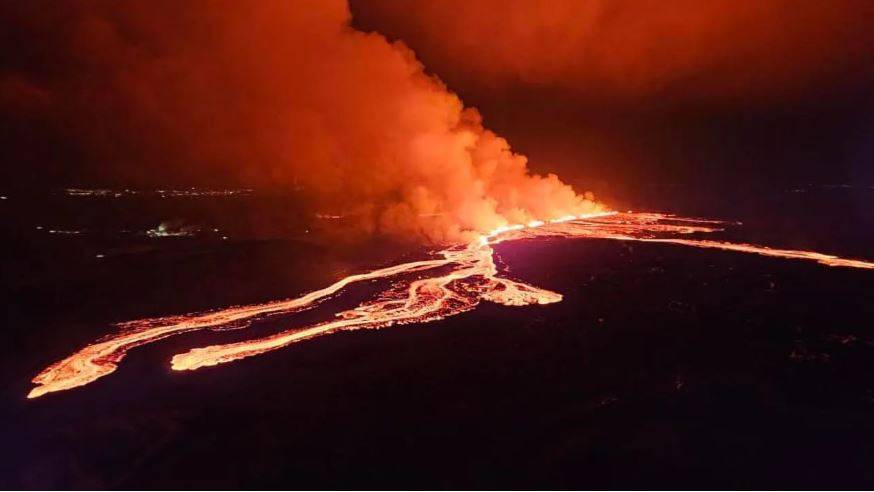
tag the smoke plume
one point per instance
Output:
(272, 93)
(612, 51)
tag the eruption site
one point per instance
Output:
(429, 295)
(287, 94)
(274, 94)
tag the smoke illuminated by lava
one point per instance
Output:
(703, 52)
(273, 93)
(429, 295)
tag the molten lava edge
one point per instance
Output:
(472, 277)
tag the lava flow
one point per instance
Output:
(472, 277)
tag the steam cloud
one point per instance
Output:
(713, 51)
(278, 92)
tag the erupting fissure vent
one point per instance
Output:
(472, 277)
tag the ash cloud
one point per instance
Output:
(268, 93)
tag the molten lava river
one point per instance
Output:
(455, 280)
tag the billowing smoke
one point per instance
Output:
(273, 92)
(610, 51)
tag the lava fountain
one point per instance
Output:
(429, 293)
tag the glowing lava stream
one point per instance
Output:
(473, 278)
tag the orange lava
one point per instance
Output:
(472, 277)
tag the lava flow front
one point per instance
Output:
(433, 294)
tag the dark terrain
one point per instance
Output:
(664, 366)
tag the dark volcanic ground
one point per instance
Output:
(664, 366)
